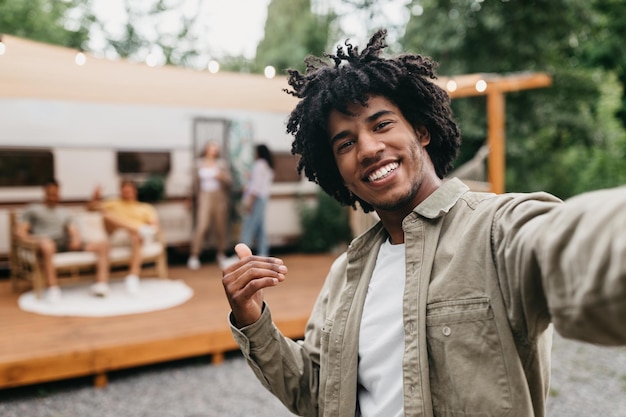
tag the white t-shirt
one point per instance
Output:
(208, 178)
(381, 340)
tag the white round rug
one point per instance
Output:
(154, 294)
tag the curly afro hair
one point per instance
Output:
(352, 77)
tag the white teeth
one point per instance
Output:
(382, 172)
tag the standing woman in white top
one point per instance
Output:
(255, 198)
(212, 183)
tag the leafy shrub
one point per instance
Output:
(324, 225)
(152, 190)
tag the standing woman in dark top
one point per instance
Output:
(255, 198)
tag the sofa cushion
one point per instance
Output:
(90, 226)
(121, 253)
(67, 259)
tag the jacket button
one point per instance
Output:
(446, 331)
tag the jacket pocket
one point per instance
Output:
(467, 368)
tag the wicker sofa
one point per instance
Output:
(26, 266)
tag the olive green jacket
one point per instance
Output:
(486, 275)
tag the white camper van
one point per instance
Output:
(96, 123)
(91, 127)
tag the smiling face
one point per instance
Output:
(51, 195)
(381, 157)
(212, 150)
(128, 191)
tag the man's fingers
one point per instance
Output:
(242, 250)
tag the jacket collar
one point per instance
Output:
(442, 200)
(436, 205)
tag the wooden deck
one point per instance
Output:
(36, 348)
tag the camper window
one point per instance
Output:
(143, 162)
(25, 167)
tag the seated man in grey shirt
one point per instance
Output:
(51, 227)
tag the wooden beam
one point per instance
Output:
(466, 84)
(523, 81)
(100, 380)
(495, 88)
(495, 140)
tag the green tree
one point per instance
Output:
(59, 22)
(603, 43)
(544, 127)
(371, 15)
(239, 64)
(71, 22)
(292, 31)
(177, 45)
(325, 224)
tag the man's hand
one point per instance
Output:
(95, 204)
(244, 282)
(97, 193)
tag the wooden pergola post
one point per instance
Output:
(496, 140)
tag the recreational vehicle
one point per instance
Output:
(93, 125)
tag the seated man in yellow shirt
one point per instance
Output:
(138, 219)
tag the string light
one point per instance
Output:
(270, 72)
(80, 58)
(151, 60)
(451, 86)
(481, 85)
(213, 66)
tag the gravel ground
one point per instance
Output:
(587, 381)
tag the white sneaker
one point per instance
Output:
(193, 263)
(53, 295)
(226, 262)
(100, 289)
(132, 284)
